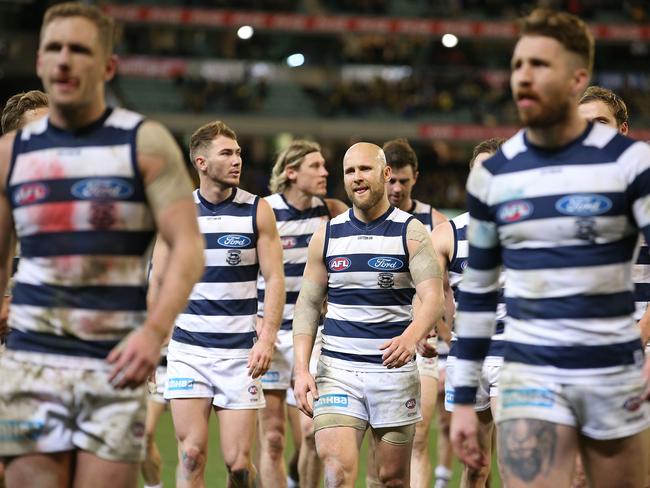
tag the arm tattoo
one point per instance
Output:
(527, 447)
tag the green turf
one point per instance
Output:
(216, 472)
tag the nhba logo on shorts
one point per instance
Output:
(528, 397)
(20, 430)
(332, 400)
(515, 211)
(583, 205)
(180, 384)
(234, 240)
(386, 262)
(271, 377)
(339, 264)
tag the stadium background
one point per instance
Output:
(337, 71)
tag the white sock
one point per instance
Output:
(159, 485)
(443, 475)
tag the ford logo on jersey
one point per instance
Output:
(234, 240)
(339, 264)
(515, 211)
(102, 189)
(30, 193)
(385, 262)
(583, 205)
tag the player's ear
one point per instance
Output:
(388, 172)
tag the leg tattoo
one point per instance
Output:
(527, 447)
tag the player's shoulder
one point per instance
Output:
(121, 118)
(245, 197)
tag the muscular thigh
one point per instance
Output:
(536, 453)
(236, 431)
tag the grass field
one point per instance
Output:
(216, 473)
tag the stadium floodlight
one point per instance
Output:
(296, 60)
(449, 40)
(245, 32)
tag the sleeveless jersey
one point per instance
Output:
(422, 212)
(84, 226)
(295, 228)
(220, 316)
(370, 290)
(641, 278)
(564, 223)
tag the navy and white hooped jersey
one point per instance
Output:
(84, 226)
(220, 316)
(370, 290)
(295, 228)
(422, 212)
(456, 267)
(565, 225)
(641, 278)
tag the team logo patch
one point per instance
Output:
(175, 384)
(410, 403)
(234, 240)
(20, 430)
(271, 377)
(633, 404)
(288, 242)
(252, 390)
(386, 262)
(583, 205)
(137, 429)
(385, 280)
(463, 264)
(30, 193)
(528, 397)
(233, 257)
(339, 264)
(102, 189)
(332, 400)
(515, 211)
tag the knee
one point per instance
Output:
(309, 439)
(192, 459)
(421, 441)
(336, 473)
(237, 460)
(274, 442)
(392, 478)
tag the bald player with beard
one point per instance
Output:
(369, 262)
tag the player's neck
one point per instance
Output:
(560, 134)
(373, 213)
(297, 198)
(214, 192)
(406, 205)
(75, 117)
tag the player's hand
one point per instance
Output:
(464, 436)
(304, 387)
(427, 347)
(135, 358)
(260, 357)
(397, 351)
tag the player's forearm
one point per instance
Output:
(306, 317)
(274, 298)
(426, 314)
(184, 269)
(302, 348)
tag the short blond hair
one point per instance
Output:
(204, 135)
(17, 105)
(291, 157)
(104, 23)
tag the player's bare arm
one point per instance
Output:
(438, 218)
(335, 206)
(306, 318)
(269, 255)
(168, 190)
(427, 276)
(442, 237)
(6, 223)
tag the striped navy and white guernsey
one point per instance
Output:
(84, 226)
(456, 267)
(370, 290)
(295, 228)
(641, 278)
(565, 225)
(219, 319)
(422, 212)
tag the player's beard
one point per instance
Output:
(548, 116)
(375, 194)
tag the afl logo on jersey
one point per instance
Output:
(385, 262)
(288, 242)
(30, 193)
(102, 189)
(233, 240)
(339, 264)
(583, 205)
(515, 211)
